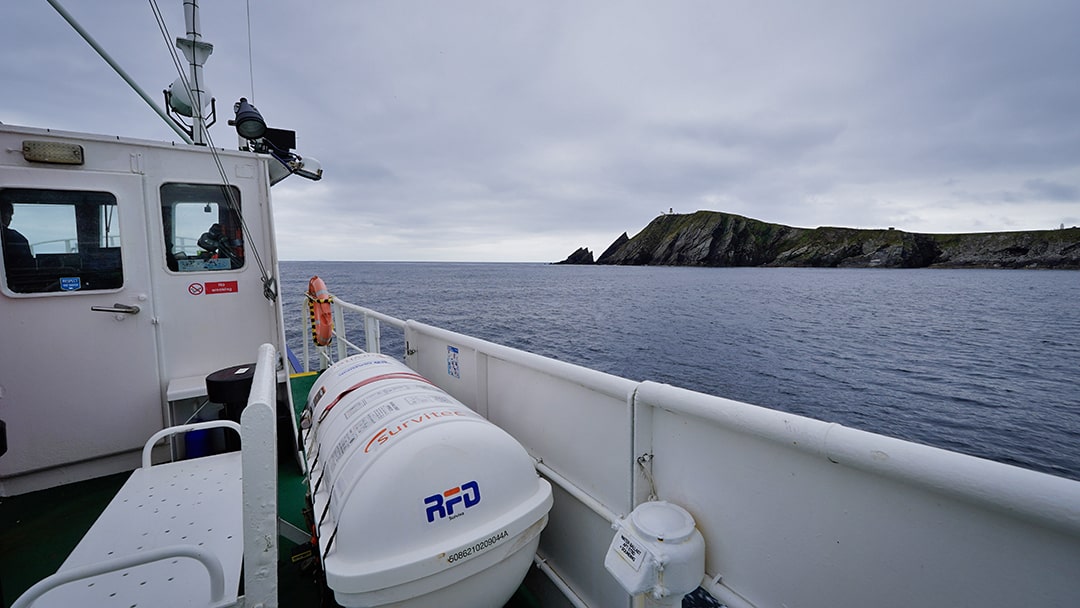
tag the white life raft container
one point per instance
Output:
(419, 500)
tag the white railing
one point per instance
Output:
(341, 347)
(70, 245)
(794, 511)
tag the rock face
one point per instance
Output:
(581, 256)
(710, 238)
(612, 248)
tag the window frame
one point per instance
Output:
(229, 218)
(71, 272)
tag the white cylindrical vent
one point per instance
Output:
(426, 503)
(657, 551)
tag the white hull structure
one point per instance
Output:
(794, 511)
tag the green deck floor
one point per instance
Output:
(291, 484)
(39, 530)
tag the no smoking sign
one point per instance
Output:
(213, 287)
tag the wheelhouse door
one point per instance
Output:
(79, 374)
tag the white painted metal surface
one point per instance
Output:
(194, 503)
(577, 421)
(260, 484)
(85, 408)
(794, 511)
(177, 533)
(65, 404)
(215, 319)
(881, 521)
(657, 552)
(173, 553)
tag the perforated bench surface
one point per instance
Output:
(192, 502)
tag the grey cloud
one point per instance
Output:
(1044, 189)
(500, 122)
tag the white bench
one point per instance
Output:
(175, 533)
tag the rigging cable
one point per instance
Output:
(268, 281)
(116, 68)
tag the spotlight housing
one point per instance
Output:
(248, 122)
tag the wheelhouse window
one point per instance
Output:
(202, 229)
(60, 240)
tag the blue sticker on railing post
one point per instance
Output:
(452, 367)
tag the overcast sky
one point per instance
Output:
(519, 131)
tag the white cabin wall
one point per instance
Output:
(79, 389)
(83, 406)
(200, 334)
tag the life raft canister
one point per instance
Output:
(322, 316)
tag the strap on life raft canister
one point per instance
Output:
(322, 316)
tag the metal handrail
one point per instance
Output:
(207, 559)
(372, 320)
(183, 428)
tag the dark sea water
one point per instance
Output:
(983, 362)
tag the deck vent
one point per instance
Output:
(52, 152)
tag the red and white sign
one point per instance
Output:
(213, 287)
(195, 289)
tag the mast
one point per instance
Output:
(196, 52)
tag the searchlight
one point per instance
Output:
(248, 122)
(278, 143)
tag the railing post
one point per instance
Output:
(372, 334)
(339, 329)
(304, 330)
(259, 462)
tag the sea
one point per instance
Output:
(982, 362)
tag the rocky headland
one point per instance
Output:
(581, 256)
(712, 238)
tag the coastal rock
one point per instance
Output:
(710, 238)
(612, 248)
(581, 256)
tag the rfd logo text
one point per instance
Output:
(442, 505)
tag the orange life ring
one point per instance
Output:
(322, 316)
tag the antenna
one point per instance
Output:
(196, 52)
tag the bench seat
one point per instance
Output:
(196, 504)
(181, 533)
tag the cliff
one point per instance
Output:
(710, 238)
